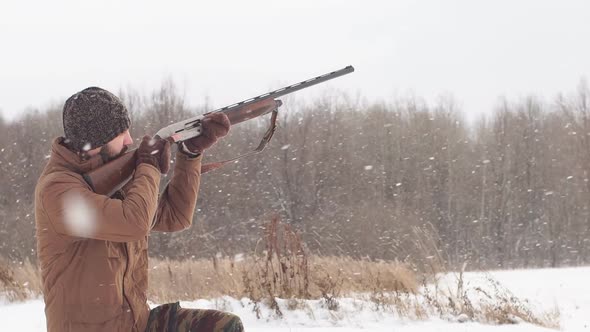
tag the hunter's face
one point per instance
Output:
(116, 147)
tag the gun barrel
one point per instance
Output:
(186, 129)
(289, 89)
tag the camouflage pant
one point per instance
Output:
(172, 318)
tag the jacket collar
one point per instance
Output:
(63, 157)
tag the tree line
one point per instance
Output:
(402, 180)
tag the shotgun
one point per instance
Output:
(112, 176)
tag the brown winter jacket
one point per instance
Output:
(95, 277)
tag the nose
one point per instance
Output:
(128, 140)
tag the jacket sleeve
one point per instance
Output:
(177, 203)
(79, 212)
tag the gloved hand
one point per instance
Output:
(213, 127)
(156, 152)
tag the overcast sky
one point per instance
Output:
(232, 50)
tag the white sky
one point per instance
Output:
(232, 50)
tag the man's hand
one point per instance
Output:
(214, 126)
(156, 152)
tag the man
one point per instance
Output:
(92, 249)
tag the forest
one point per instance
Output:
(399, 180)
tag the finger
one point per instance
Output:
(150, 141)
(217, 130)
(146, 138)
(165, 157)
(205, 131)
(204, 142)
(218, 117)
(166, 149)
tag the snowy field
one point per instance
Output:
(567, 289)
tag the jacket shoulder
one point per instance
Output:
(59, 180)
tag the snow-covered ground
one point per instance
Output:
(564, 289)
(567, 289)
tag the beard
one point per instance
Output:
(107, 154)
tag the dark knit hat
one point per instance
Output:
(92, 118)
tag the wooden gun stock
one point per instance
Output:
(260, 108)
(112, 176)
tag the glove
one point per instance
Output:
(156, 152)
(213, 127)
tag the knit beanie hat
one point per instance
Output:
(92, 118)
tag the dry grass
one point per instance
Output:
(19, 282)
(190, 279)
(493, 305)
(281, 267)
(501, 306)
